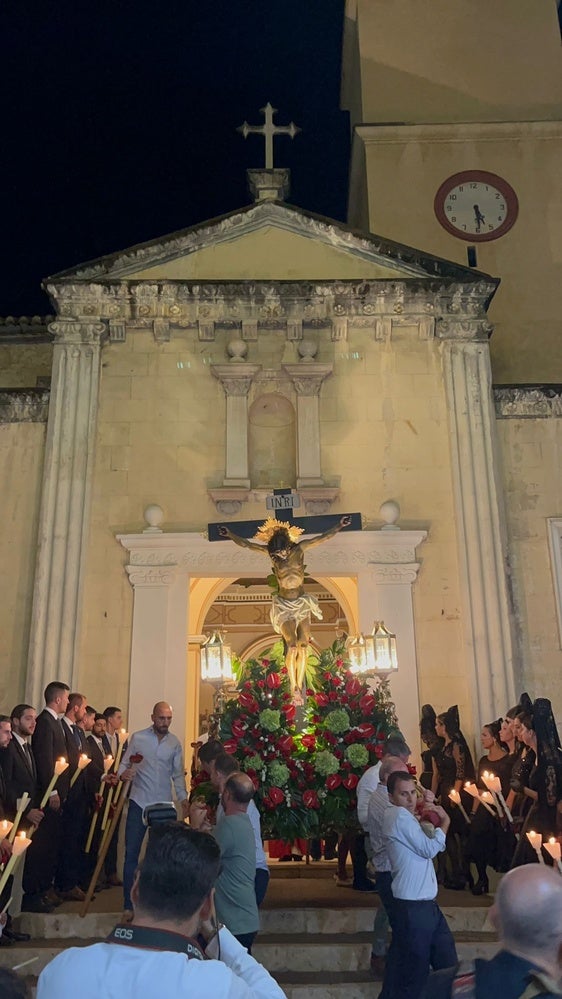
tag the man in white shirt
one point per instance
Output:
(361, 850)
(160, 766)
(163, 951)
(420, 934)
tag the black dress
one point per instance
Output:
(484, 842)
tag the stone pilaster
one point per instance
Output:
(64, 517)
(480, 525)
(236, 379)
(307, 378)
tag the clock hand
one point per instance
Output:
(478, 217)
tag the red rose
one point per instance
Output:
(248, 701)
(379, 750)
(332, 695)
(353, 686)
(310, 799)
(136, 758)
(265, 663)
(333, 781)
(276, 795)
(321, 700)
(367, 705)
(308, 741)
(365, 730)
(350, 782)
(273, 680)
(230, 746)
(411, 769)
(290, 712)
(248, 685)
(286, 744)
(260, 684)
(337, 681)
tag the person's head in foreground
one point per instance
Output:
(527, 914)
(402, 790)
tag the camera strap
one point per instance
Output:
(149, 938)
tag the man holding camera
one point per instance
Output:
(165, 950)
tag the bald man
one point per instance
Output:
(527, 914)
(235, 896)
(160, 767)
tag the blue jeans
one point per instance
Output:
(135, 832)
(383, 884)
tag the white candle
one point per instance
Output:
(83, 762)
(60, 766)
(456, 798)
(19, 846)
(21, 806)
(553, 848)
(107, 761)
(5, 826)
(535, 839)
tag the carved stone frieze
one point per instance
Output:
(398, 574)
(24, 405)
(155, 556)
(528, 402)
(463, 328)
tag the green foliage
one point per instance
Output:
(305, 779)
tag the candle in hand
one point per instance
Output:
(553, 847)
(5, 827)
(535, 839)
(60, 766)
(83, 761)
(107, 761)
(21, 843)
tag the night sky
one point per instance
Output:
(119, 122)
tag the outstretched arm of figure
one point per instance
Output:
(225, 532)
(344, 521)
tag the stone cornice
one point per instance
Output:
(528, 402)
(459, 132)
(25, 329)
(153, 557)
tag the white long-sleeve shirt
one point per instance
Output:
(367, 784)
(160, 767)
(115, 972)
(410, 853)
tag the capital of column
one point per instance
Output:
(79, 331)
(307, 378)
(235, 380)
(150, 575)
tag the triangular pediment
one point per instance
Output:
(264, 242)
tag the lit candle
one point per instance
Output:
(83, 762)
(535, 839)
(19, 846)
(60, 766)
(21, 806)
(553, 847)
(456, 799)
(107, 761)
(5, 826)
(488, 801)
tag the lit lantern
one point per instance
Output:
(381, 650)
(357, 655)
(216, 661)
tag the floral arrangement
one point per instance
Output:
(305, 775)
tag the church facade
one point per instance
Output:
(271, 348)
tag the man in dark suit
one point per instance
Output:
(48, 744)
(5, 848)
(71, 872)
(17, 766)
(111, 741)
(94, 774)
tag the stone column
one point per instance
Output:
(307, 379)
(65, 505)
(159, 639)
(236, 380)
(480, 525)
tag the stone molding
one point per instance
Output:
(346, 554)
(307, 377)
(528, 402)
(236, 378)
(150, 575)
(24, 405)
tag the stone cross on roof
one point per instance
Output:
(268, 130)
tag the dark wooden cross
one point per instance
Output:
(281, 505)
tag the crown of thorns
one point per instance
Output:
(273, 526)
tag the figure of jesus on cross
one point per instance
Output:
(292, 607)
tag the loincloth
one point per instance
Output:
(298, 609)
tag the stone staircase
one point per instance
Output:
(312, 951)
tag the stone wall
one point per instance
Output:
(21, 465)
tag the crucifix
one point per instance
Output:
(268, 130)
(277, 539)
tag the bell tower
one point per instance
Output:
(442, 92)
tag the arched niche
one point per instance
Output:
(272, 444)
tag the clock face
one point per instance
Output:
(476, 205)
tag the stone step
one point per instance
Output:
(279, 953)
(64, 925)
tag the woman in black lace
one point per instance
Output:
(452, 766)
(483, 834)
(432, 742)
(547, 777)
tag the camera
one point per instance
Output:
(161, 811)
